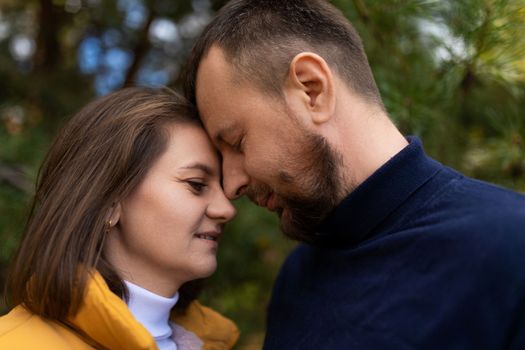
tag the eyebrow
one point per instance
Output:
(200, 166)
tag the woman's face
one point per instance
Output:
(169, 227)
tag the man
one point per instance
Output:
(400, 252)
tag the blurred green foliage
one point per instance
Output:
(451, 72)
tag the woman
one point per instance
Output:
(128, 212)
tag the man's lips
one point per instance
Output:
(269, 201)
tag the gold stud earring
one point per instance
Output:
(108, 225)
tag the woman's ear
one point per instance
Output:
(310, 83)
(114, 215)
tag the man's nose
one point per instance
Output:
(235, 179)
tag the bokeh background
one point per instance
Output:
(451, 72)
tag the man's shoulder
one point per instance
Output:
(475, 228)
(470, 205)
(481, 195)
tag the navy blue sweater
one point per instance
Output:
(417, 257)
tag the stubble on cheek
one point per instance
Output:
(318, 187)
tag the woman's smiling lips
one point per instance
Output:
(212, 236)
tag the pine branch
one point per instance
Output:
(15, 177)
(47, 54)
(469, 78)
(362, 11)
(140, 50)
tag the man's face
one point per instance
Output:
(266, 152)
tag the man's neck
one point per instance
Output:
(365, 138)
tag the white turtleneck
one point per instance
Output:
(153, 312)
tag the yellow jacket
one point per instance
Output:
(105, 318)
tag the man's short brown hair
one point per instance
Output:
(261, 37)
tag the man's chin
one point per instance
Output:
(300, 218)
(293, 229)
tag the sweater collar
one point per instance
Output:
(356, 217)
(151, 310)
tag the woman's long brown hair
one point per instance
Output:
(98, 158)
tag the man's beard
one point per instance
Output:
(318, 169)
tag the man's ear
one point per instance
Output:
(114, 214)
(310, 85)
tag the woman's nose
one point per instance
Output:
(221, 208)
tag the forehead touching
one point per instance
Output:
(189, 148)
